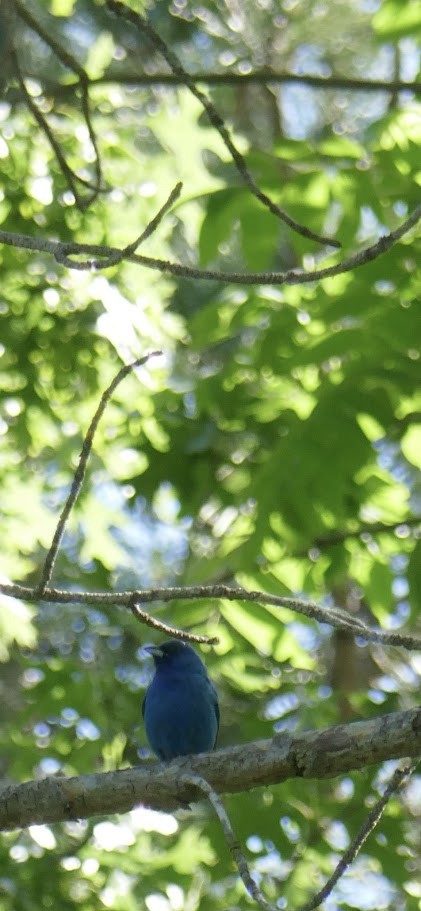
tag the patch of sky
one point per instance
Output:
(364, 889)
(280, 706)
(87, 730)
(154, 540)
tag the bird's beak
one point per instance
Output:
(154, 650)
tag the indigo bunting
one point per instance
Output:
(180, 708)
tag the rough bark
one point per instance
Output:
(312, 754)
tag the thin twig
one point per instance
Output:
(398, 778)
(365, 528)
(150, 228)
(62, 53)
(69, 61)
(86, 111)
(169, 630)
(42, 122)
(81, 468)
(63, 252)
(156, 220)
(46, 129)
(142, 25)
(230, 837)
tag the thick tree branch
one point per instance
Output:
(311, 754)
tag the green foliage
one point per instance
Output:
(277, 443)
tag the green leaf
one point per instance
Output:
(411, 445)
(414, 578)
(396, 18)
(16, 625)
(100, 55)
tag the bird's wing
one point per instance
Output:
(215, 704)
(143, 705)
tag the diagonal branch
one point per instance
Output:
(70, 175)
(81, 468)
(142, 25)
(398, 778)
(371, 529)
(231, 839)
(69, 61)
(162, 627)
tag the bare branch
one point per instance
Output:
(169, 630)
(398, 778)
(43, 124)
(69, 61)
(332, 616)
(369, 529)
(63, 252)
(115, 258)
(234, 846)
(257, 77)
(310, 754)
(62, 53)
(142, 25)
(86, 111)
(81, 468)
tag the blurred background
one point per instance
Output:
(276, 444)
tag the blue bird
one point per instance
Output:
(180, 708)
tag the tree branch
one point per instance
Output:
(398, 778)
(231, 839)
(260, 77)
(365, 528)
(45, 33)
(63, 252)
(69, 61)
(81, 468)
(126, 252)
(311, 754)
(332, 616)
(172, 631)
(145, 28)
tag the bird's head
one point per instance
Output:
(175, 655)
